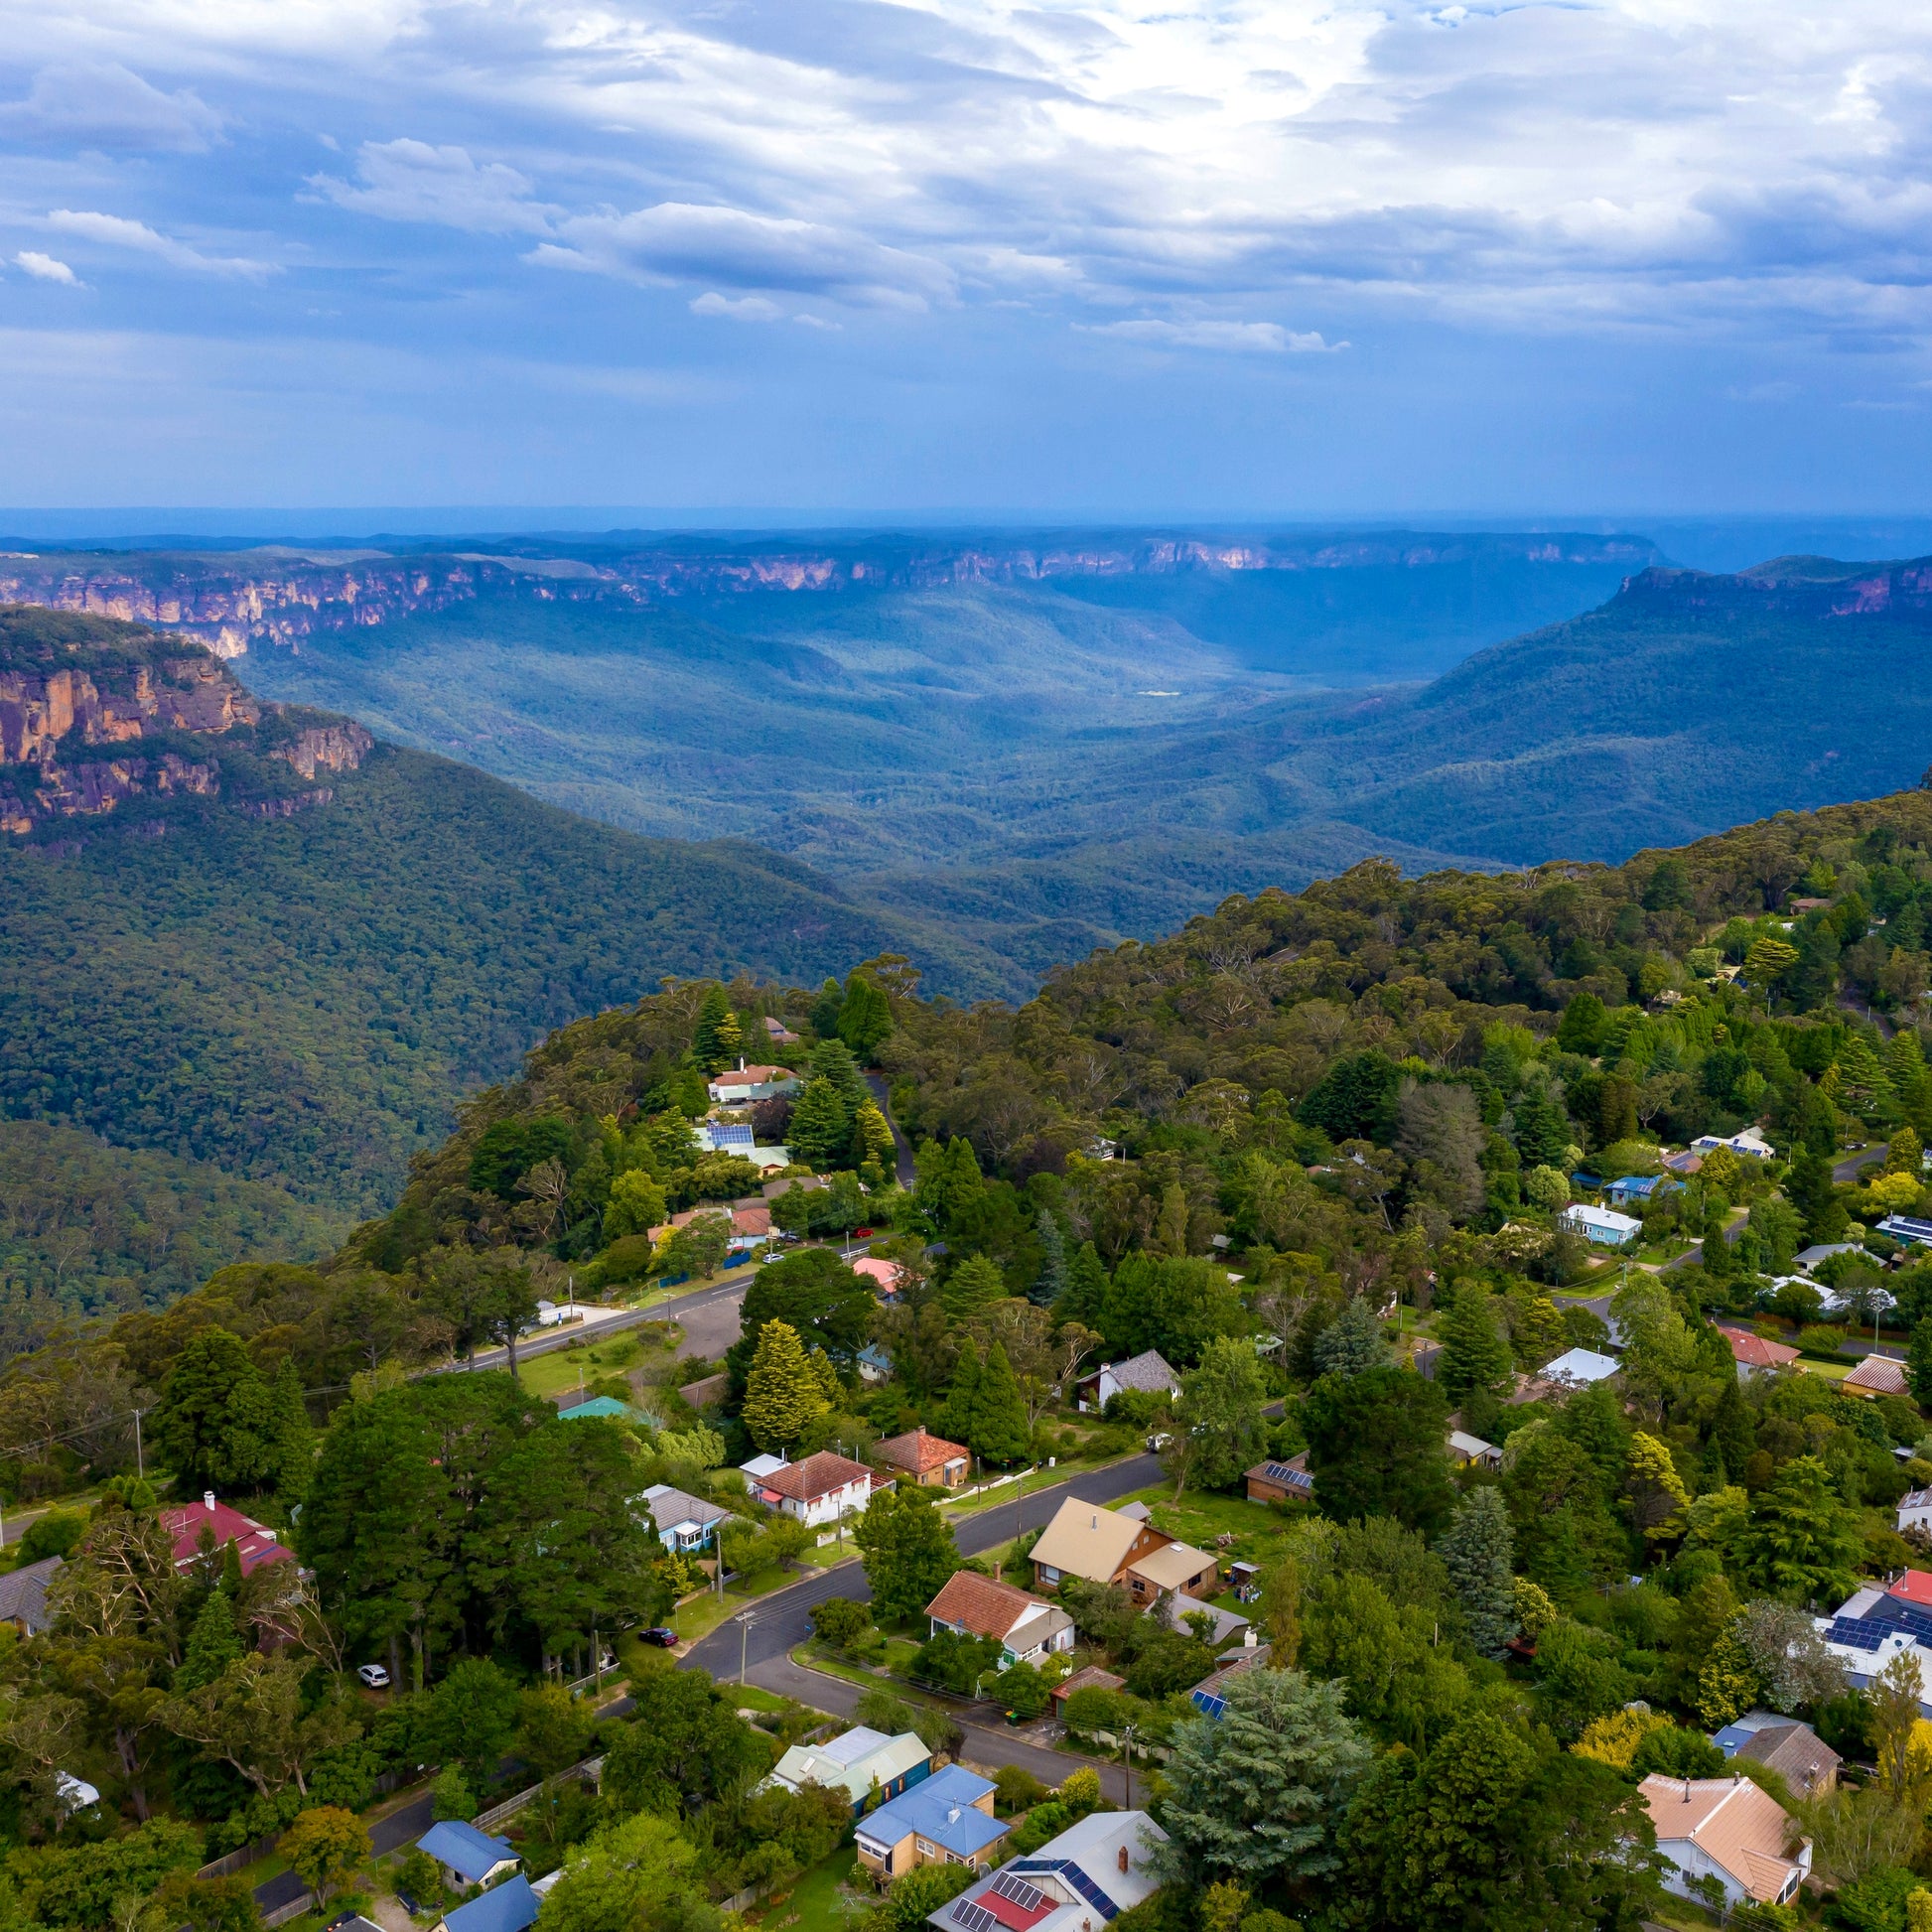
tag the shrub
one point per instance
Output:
(840, 1621)
(451, 1797)
(1017, 1790)
(1820, 1338)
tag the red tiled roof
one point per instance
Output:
(920, 1453)
(1878, 1375)
(817, 1475)
(255, 1543)
(986, 1606)
(751, 1076)
(1756, 1352)
(1089, 1678)
(1915, 1587)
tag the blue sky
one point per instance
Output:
(1120, 257)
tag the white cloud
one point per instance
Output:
(118, 231)
(1239, 337)
(747, 308)
(410, 180)
(44, 268)
(101, 104)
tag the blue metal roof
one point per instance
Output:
(465, 1850)
(509, 1907)
(940, 1808)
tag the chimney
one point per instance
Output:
(207, 1498)
(1248, 1638)
(1123, 1858)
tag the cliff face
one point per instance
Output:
(96, 715)
(234, 602)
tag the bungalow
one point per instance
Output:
(1754, 1355)
(255, 1543)
(1907, 1227)
(1601, 1226)
(1093, 1543)
(1578, 1368)
(1174, 1567)
(509, 1908)
(929, 1460)
(1089, 1676)
(885, 1275)
(875, 1365)
(1472, 1451)
(1915, 1510)
(1729, 1830)
(1146, 1372)
(467, 1855)
(23, 1596)
(1751, 1141)
(684, 1522)
(1280, 1482)
(820, 1489)
(947, 1820)
(1877, 1375)
(1796, 1753)
(1210, 1696)
(1636, 1190)
(856, 1762)
(1079, 1881)
(1806, 1259)
(1026, 1629)
(741, 1084)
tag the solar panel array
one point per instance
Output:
(971, 1917)
(731, 1134)
(1856, 1635)
(1022, 1894)
(1088, 1891)
(1208, 1704)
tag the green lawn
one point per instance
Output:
(816, 1902)
(561, 1368)
(1200, 1518)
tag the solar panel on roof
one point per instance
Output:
(972, 1917)
(1854, 1635)
(1208, 1704)
(1036, 1865)
(729, 1134)
(1022, 1894)
(1088, 1891)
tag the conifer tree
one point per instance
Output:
(1086, 1286)
(975, 1284)
(1053, 1275)
(871, 1135)
(959, 1417)
(1000, 1430)
(719, 1038)
(212, 1645)
(832, 1060)
(865, 1017)
(1474, 1355)
(782, 1397)
(825, 1009)
(1478, 1549)
(1862, 1081)
(820, 1132)
(1352, 1343)
(291, 1442)
(1906, 1155)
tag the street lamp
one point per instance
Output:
(745, 1620)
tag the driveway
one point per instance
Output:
(907, 1172)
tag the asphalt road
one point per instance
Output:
(902, 1162)
(389, 1833)
(1849, 1167)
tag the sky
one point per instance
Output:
(1108, 258)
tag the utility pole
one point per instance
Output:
(140, 1464)
(745, 1620)
(1127, 1763)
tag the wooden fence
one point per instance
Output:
(586, 1772)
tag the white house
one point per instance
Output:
(742, 1084)
(1729, 1830)
(1026, 1629)
(1602, 1226)
(856, 1761)
(1749, 1142)
(1580, 1367)
(819, 1489)
(1080, 1882)
(1915, 1510)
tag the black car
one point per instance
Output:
(664, 1639)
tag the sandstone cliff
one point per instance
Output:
(96, 715)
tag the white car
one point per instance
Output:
(374, 1676)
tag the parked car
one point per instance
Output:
(664, 1639)
(374, 1676)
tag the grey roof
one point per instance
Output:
(22, 1595)
(1796, 1753)
(670, 1507)
(1148, 1370)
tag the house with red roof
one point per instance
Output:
(1754, 1355)
(255, 1543)
(817, 1489)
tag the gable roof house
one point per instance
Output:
(1080, 1882)
(1281, 1482)
(684, 1522)
(511, 1907)
(1089, 1676)
(1796, 1753)
(1094, 1544)
(1877, 1375)
(854, 1762)
(1025, 1628)
(1727, 1829)
(255, 1543)
(818, 1490)
(469, 1856)
(929, 1460)
(1177, 1567)
(738, 1086)
(1754, 1355)
(23, 1596)
(946, 1820)
(1600, 1225)
(1146, 1372)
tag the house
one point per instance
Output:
(875, 1365)
(1079, 1881)
(1906, 1227)
(1026, 1629)
(254, 1542)
(930, 1461)
(855, 1762)
(771, 1190)
(1636, 1190)
(1751, 1141)
(741, 1084)
(1471, 1451)
(761, 1467)
(1094, 1544)
(23, 1596)
(820, 1489)
(1727, 1829)
(1227, 1626)
(1806, 1259)
(1915, 1510)
(884, 1275)
(509, 1908)
(1601, 1226)
(1089, 1676)
(607, 1406)
(1579, 1369)
(1174, 1567)
(1877, 1623)
(1146, 1372)
(684, 1522)
(947, 1820)
(1684, 1164)
(1210, 1696)
(1877, 1375)
(467, 1855)
(1796, 1753)
(1754, 1355)
(1280, 1482)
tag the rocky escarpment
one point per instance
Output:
(234, 602)
(96, 715)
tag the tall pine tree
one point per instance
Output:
(1087, 1288)
(782, 1397)
(719, 1038)
(1478, 1549)
(1474, 1355)
(1000, 1431)
(1054, 1277)
(212, 1645)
